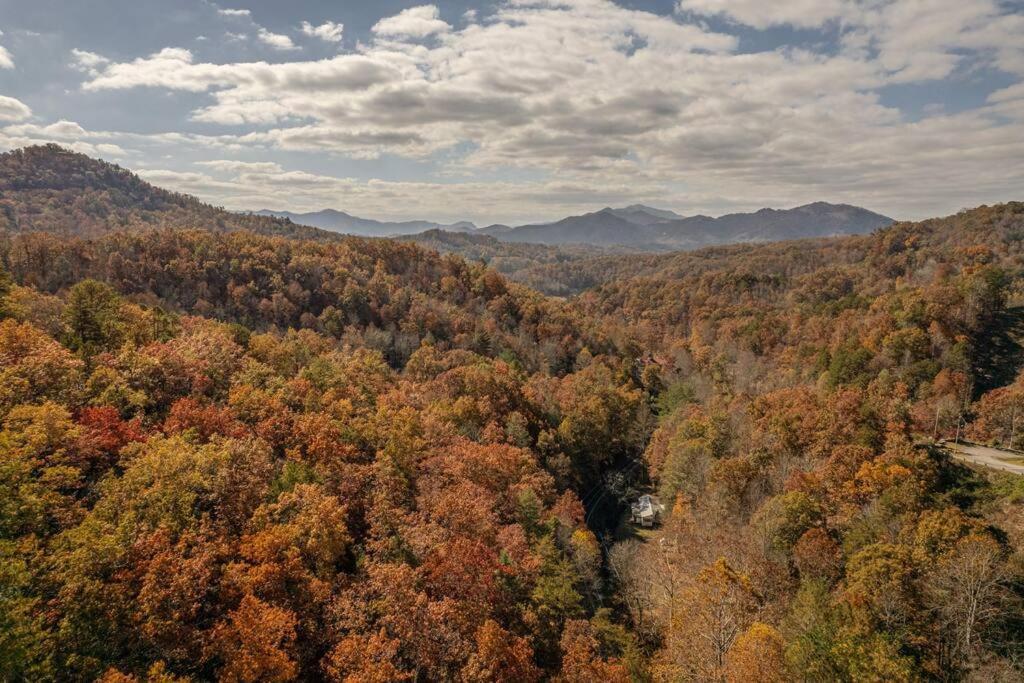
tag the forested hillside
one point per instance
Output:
(255, 457)
(52, 189)
(381, 489)
(810, 536)
(390, 295)
(519, 261)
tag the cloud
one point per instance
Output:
(87, 62)
(246, 187)
(761, 15)
(234, 12)
(327, 31)
(587, 96)
(920, 40)
(275, 40)
(63, 130)
(415, 22)
(112, 143)
(231, 166)
(6, 60)
(258, 86)
(13, 110)
(66, 133)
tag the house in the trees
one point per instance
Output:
(646, 511)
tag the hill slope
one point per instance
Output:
(292, 452)
(51, 189)
(238, 456)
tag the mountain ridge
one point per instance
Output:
(639, 227)
(636, 226)
(336, 220)
(94, 197)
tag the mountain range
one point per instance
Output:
(643, 227)
(98, 195)
(637, 226)
(339, 221)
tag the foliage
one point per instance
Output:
(231, 447)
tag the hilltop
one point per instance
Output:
(48, 188)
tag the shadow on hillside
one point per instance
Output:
(1001, 353)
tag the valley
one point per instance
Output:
(237, 447)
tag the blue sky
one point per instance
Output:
(523, 110)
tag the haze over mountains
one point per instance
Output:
(636, 226)
(339, 221)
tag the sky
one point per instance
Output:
(518, 111)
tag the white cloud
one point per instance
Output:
(760, 14)
(66, 133)
(415, 22)
(328, 31)
(918, 40)
(234, 12)
(231, 166)
(6, 60)
(596, 100)
(111, 143)
(246, 188)
(62, 130)
(277, 41)
(87, 62)
(13, 110)
(255, 83)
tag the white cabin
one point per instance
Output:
(646, 511)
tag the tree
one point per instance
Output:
(554, 600)
(26, 646)
(813, 628)
(879, 586)
(757, 655)
(174, 593)
(5, 290)
(38, 477)
(255, 643)
(157, 673)
(366, 659)
(500, 657)
(782, 520)
(712, 612)
(586, 558)
(581, 661)
(93, 318)
(967, 592)
(35, 368)
(817, 556)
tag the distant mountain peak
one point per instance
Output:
(645, 227)
(645, 215)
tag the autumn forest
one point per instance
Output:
(236, 448)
